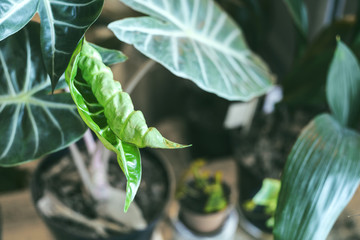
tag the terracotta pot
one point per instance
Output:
(204, 223)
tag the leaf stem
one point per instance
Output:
(83, 172)
(144, 69)
(90, 143)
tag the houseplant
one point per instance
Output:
(204, 46)
(38, 122)
(204, 199)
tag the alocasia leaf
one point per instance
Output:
(343, 86)
(32, 121)
(63, 23)
(15, 14)
(108, 112)
(196, 40)
(321, 175)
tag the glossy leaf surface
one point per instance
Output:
(197, 40)
(109, 56)
(14, 15)
(63, 23)
(298, 11)
(321, 175)
(32, 121)
(343, 86)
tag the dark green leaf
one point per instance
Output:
(32, 122)
(63, 23)
(14, 15)
(320, 177)
(343, 86)
(298, 11)
(305, 84)
(109, 56)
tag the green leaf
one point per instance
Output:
(110, 114)
(63, 24)
(109, 56)
(298, 11)
(343, 86)
(305, 83)
(32, 122)
(197, 40)
(127, 124)
(14, 15)
(321, 175)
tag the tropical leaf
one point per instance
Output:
(195, 39)
(343, 86)
(298, 11)
(63, 23)
(109, 113)
(321, 175)
(32, 122)
(109, 56)
(14, 15)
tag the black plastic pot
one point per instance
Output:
(61, 231)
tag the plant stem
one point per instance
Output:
(99, 171)
(139, 75)
(80, 165)
(89, 142)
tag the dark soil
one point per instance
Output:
(151, 197)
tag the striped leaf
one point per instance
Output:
(14, 15)
(63, 23)
(196, 40)
(32, 122)
(343, 86)
(321, 175)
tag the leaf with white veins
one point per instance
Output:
(14, 15)
(197, 40)
(63, 24)
(32, 121)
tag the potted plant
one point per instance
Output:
(39, 117)
(204, 199)
(196, 40)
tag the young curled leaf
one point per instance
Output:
(92, 113)
(128, 125)
(110, 114)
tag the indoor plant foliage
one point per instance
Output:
(194, 39)
(323, 164)
(39, 120)
(256, 77)
(204, 198)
